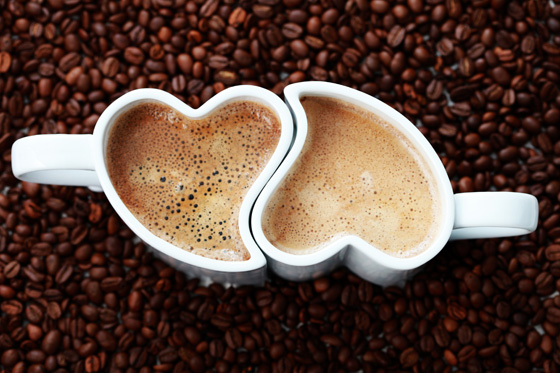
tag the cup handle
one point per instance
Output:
(56, 159)
(494, 214)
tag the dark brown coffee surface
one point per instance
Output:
(185, 179)
(356, 175)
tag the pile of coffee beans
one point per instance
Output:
(481, 80)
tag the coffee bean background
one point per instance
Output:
(480, 78)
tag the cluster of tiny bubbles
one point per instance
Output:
(335, 188)
(194, 174)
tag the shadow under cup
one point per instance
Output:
(360, 187)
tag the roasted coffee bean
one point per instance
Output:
(134, 55)
(110, 67)
(51, 342)
(11, 269)
(396, 36)
(5, 61)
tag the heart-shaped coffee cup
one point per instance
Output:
(306, 192)
(80, 160)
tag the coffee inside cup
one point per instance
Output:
(185, 179)
(356, 175)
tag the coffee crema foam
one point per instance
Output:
(356, 175)
(185, 179)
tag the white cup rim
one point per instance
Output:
(293, 94)
(238, 93)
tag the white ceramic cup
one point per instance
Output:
(80, 160)
(464, 216)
